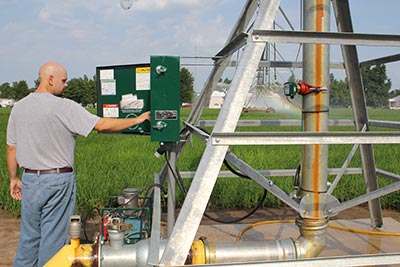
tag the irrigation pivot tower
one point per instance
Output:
(313, 201)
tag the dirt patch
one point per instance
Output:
(9, 230)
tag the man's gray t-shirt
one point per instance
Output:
(44, 127)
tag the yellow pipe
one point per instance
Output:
(72, 254)
(198, 252)
(258, 224)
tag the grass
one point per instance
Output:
(107, 163)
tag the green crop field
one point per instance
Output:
(107, 163)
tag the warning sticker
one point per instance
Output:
(143, 78)
(110, 111)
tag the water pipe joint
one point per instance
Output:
(313, 238)
(325, 208)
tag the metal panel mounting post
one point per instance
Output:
(171, 190)
(204, 180)
(352, 66)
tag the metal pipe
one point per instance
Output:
(203, 252)
(315, 105)
(313, 184)
(128, 255)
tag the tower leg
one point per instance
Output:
(352, 66)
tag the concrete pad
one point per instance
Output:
(340, 243)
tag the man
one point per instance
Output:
(41, 137)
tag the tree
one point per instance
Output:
(186, 83)
(6, 91)
(81, 90)
(73, 91)
(376, 85)
(20, 90)
(88, 91)
(339, 93)
(17, 91)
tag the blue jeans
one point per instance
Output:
(48, 201)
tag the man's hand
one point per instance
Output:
(15, 188)
(145, 116)
(12, 165)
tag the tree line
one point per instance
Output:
(83, 90)
(376, 84)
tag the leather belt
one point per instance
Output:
(50, 171)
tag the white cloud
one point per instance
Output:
(151, 5)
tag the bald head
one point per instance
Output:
(53, 78)
(51, 69)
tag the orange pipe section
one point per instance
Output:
(318, 81)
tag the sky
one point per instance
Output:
(84, 34)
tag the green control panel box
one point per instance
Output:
(125, 91)
(165, 98)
